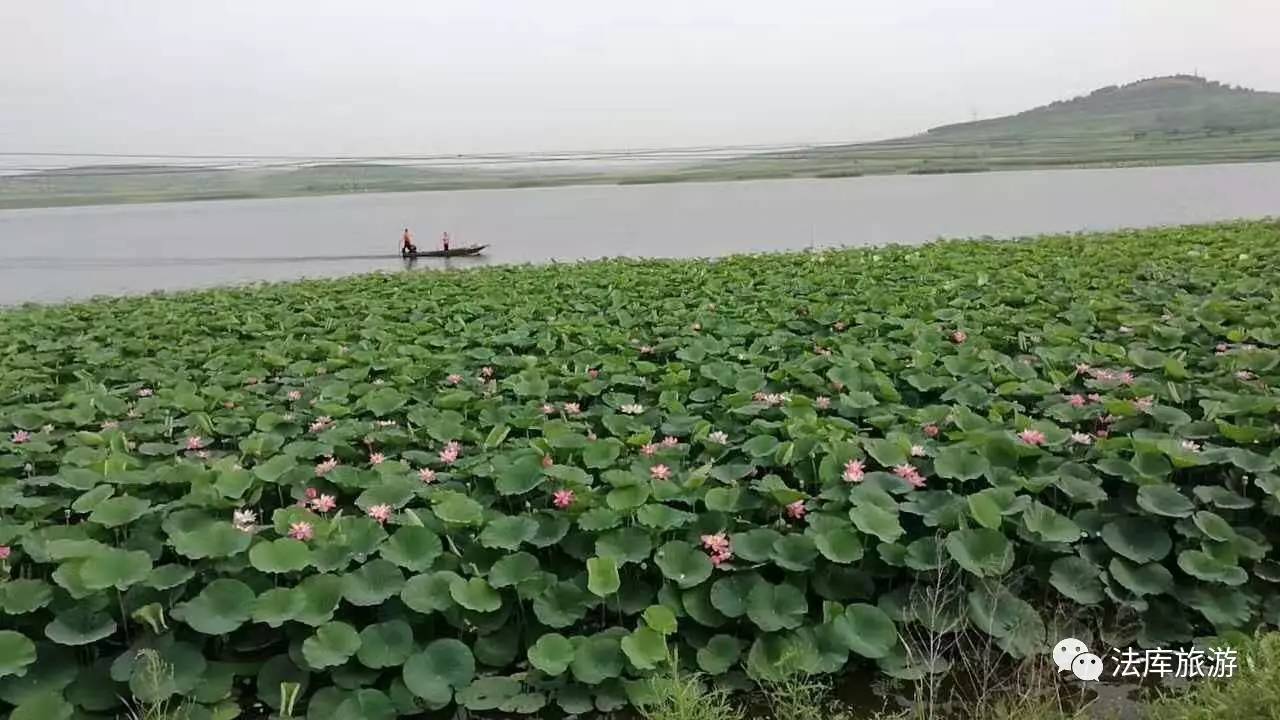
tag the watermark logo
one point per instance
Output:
(1072, 655)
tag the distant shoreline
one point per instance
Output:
(742, 175)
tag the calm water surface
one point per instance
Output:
(60, 253)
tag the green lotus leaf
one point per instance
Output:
(660, 618)
(1141, 540)
(331, 645)
(457, 509)
(601, 454)
(373, 583)
(794, 552)
(1164, 500)
(278, 606)
(775, 657)
(413, 548)
(213, 540)
(597, 658)
(383, 401)
(760, 446)
(683, 563)
(602, 576)
(167, 577)
(1014, 623)
(983, 552)
(1050, 525)
(1077, 579)
(43, 706)
(365, 704)
(116, 568)
(16, 653)
(386, 644)
(117, 511)
(866, 630)
(80, 625)
(520, 477)
(1223, 606)
(597, 519)
(1204, 566)
(442, 667)
(958, 463)
(1212, 525)
(222, 606)
(776, 607)
(552, 654)
(280, 556)
(875, 520)
(987, 508)
(663, 517)
(562, 604)
(1222, 498)
(488, 693)
(475, 594)
(23, 595)
(719, 654)
(396, 492)
(729, 594)
(508, 533)
(754, 545)
(839, 545)
(926, 553)
(89, 501)
(646, 648)
(1149, 579)
(514, 569)
(626, 545)
(320, 596)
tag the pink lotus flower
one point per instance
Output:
(562, 498)
(448, 456)
(322, 423)
(547, 461)
(384, 423)
(1093, 397)
(719, 559)
(379, 381)
(202, 454)
(696, 327)
(1080, 438)
(837, 385)
(593, 373)
(1222, 348)
(1076, 400)
(591, 435)
(825, 352)
(326, 467)
(295, 394)
(719, 437)
(572, 408)
(646, 349)
(377, 458)
(715, 544)
(1125, 378)
(931, 430)
(823, 402)
(854, 471)
(5, 552)
(109, 425)
(1190, 446)
(454, 379)
(796, 510)
(1144, 403)
(632, 408)
(958, 337)
(1244, 375)
(839, 326)
(917, 451)
(670, 442)
(145, 392)
(46, 429)
(908, 472)
(324, 503)
(20, 437)
(548, 409)
(427, 475)
(486, 372)
(311, 493)
(1101, 433)
(301, 531)
(195, 442)
(660, 472)
(381, 513)
(1031, 436)
(1125, 329)
(1083, 368)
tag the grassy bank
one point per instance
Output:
(526, 490)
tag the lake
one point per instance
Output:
(63, 253)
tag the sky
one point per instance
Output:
(321, 77)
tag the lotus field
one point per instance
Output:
(524, 490)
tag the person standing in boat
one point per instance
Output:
(407, 246)
(444, 242)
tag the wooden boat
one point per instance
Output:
(451, 252)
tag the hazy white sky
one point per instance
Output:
(322, 77)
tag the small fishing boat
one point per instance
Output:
(451, 252)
